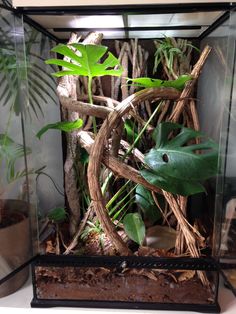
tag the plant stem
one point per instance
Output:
(143, 130)
(106, 182)
(91, 102)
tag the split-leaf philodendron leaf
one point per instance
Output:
(177, 167)
(62, 126)
(150, 82)
(85, 61)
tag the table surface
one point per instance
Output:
(20, 302)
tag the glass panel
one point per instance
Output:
(149, 20)
(227, 184)
(15, 204)
(125, 285)
(197, 18)
(74, 21)
(170, 33)
(46, 162)
(225, 224)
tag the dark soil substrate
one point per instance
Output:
(102, 284)
(12, 219)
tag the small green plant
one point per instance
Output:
(10, 153)
(86, 61)
(57, 215)
(167, 50)
(94, 227)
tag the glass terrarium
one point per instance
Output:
(128, 125)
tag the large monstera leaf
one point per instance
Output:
(177, 167)
(86, 61)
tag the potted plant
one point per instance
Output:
(14, 216)
(131, 192)
(15, 207)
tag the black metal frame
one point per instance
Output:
(29, 21)
(116, 262)
(150, 28)
(132, 9)
(128, 9)
(17, 270)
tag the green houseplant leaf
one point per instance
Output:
(150, 82)
(63, 126)
(10, 152)
(86, 61)
(145, 201)
(134, 227)
(41, 85)
(57, 214)
(177, 167)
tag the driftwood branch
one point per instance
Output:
(67, 89)
(69, 84)
(97, 152)
(85, 108)
(115, 165)
(187, 91)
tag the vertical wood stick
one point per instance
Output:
(187, 91)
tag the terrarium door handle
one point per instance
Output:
(97, 151)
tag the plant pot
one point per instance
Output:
(14, 247)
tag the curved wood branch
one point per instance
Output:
(118, 167)
(97, 151)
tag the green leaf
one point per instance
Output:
(177, 167)
(57, 214)
(134, 227)
(84, 156)
(35, 68)
(150, 82)
(131, 130)
(145, 200)
(63, 126)
(175, 186)
(86, 61)
(10, 152)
